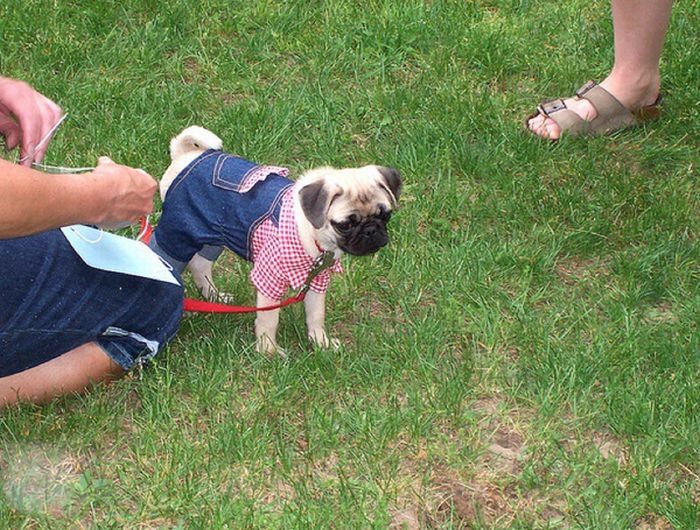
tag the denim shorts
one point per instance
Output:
(52, 302)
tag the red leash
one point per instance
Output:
(202, 306)
(324, 260)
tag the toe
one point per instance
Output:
(552, 129)
(535, 123)
(544, 127)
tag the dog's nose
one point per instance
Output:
(370, 229)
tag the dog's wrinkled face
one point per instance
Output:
(350, 208)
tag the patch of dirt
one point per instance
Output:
(133, 400)
(229, 98)
(505, 453)
(361, 140)
(406, 519)
(513, 353)
(610, 448)
(430, 493)
(487, 405)
(505, 446)
(483, 503)
(258, 484)
(408, 509)
(508, 439)
(278, 492)
(660, 313)
(191, 70)
(301, 443)
(572, 270)
(652, 522)
(327, 469)
(466, 503)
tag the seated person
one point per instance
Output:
(64, 325)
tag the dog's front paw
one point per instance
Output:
(222, 297)
(320, 338)
(265, 344)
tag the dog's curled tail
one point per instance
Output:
(193, 138)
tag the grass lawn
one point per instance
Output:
(525, 354)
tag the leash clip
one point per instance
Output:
(322, 262)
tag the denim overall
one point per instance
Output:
(205, 209)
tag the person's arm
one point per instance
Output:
(31, 201)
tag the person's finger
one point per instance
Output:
(104, 160)
(26, 154)
(50, 114)
(37, 117)
(4, 110)
(12, 139)
(56, 110)
(12, 134)
(31, 134)
(10, 130)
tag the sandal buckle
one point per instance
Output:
(550, 107)
(586, 87)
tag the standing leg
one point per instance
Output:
(266, 323)
(315, 306)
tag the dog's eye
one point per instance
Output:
(384, 214)
(345, 226)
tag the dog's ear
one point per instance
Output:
(392, 179)
(315, 200)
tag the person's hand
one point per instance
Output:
(26, 117)
(126, 193)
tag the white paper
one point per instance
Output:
(113, 253)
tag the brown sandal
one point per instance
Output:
(612, 115)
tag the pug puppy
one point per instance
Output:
(213, 200)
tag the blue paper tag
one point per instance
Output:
(109, 252)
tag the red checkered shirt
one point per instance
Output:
(279, 259)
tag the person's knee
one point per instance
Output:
(172, 300)
(164, 312)
(146, 326)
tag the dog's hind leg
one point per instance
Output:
(201, 268)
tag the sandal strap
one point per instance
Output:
(612, 114)
(557, 111)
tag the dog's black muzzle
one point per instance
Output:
(367, 238)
